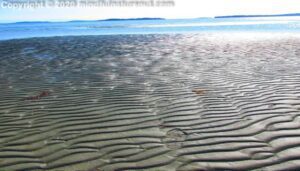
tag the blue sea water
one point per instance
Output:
(48, 29)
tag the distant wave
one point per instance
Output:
(103, 27)
(213, 24)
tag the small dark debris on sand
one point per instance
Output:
(199, 91)
(39, 96)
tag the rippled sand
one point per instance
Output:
(152, 102)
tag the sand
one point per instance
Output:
(151, 102)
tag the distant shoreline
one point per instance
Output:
(73, 21)
(152, 18)
(245, 16)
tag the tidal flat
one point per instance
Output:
(228, 101)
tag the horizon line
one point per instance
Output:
(154, 18)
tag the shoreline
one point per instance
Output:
(241, 34)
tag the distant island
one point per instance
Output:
(74, 21)
(145, 18)
(126, 19)
(275, 15)
(118, 19)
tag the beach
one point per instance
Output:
(206, 101)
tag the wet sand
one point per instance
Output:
(151, 102)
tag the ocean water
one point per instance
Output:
(46, 29)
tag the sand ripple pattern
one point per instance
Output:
(152, 102)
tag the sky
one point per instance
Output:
(182, 9)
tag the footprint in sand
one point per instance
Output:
(174, 138)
